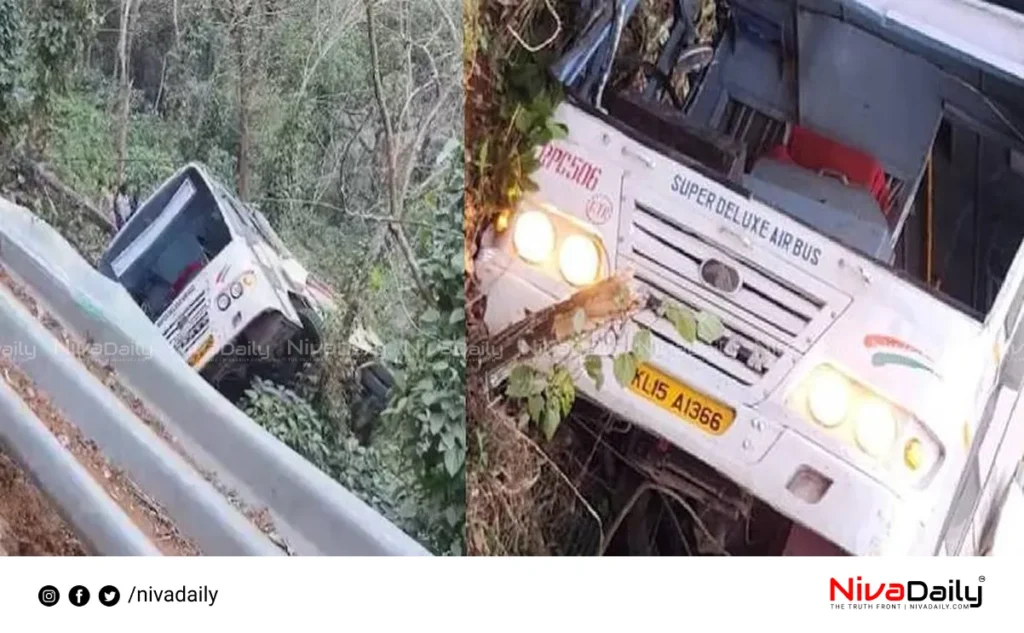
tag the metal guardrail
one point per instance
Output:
(209, 466)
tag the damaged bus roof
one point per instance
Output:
(978, 33)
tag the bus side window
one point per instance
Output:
(1011, 315)
(252, 221)
(1012, 372)
(269, 235)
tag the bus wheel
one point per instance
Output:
(312, 336)
(376, 380)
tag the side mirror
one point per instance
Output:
(294, 272)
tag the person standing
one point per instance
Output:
(122, 206)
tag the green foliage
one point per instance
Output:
(505, 158)
(56, 32)
(291, 419)
(692, 326)
(10, 44)
(709, 327)
(643, 345)
(624, 364)
(548, 396)
(594, 366)
(83, 146)
(375, 474)
(429, 401)
(682, 319)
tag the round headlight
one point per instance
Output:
(249, 278)
(223, 301)
(913, 454)
(534, 236)
(875, 427)
(828, 396)
(236, 290)
(579, 260)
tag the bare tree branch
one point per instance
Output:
(354, 214)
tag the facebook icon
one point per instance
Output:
(78, 595)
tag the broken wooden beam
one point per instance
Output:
(584, 311)
(51, 181)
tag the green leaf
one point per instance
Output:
(524, 120)
(624, 368)
(643, 346)
(436, 422)
(709, 327)
(430, 316)
(551, 420)
(457, 316)
(452, 461)
(535, 406)
(566, 398)
(595, 369)
(683, 320)
(519, 382)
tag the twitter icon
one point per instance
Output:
(109, 596)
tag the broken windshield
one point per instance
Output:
(861, 132)
(187, 233)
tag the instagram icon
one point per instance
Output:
(49, 596)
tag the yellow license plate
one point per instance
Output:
(197, 355)
(707, 414)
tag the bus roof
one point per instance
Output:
(979, 33)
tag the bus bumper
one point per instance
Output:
(760, 452)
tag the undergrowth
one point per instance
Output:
(512, 488)
(511, 100)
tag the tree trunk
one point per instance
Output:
(121, 144)
(244, 96)
(242, 52)
(397, 182)
(50, 180)
(358, 279)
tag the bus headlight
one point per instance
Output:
(828, 396)
(223, 301)
(855, 415)
(579, 260)
(534, 236)
(875, 427)
(236, 290)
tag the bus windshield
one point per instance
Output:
(184, 236)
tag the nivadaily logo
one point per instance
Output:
(912, 594)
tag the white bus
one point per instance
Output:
(842, 186)
(216, 279)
